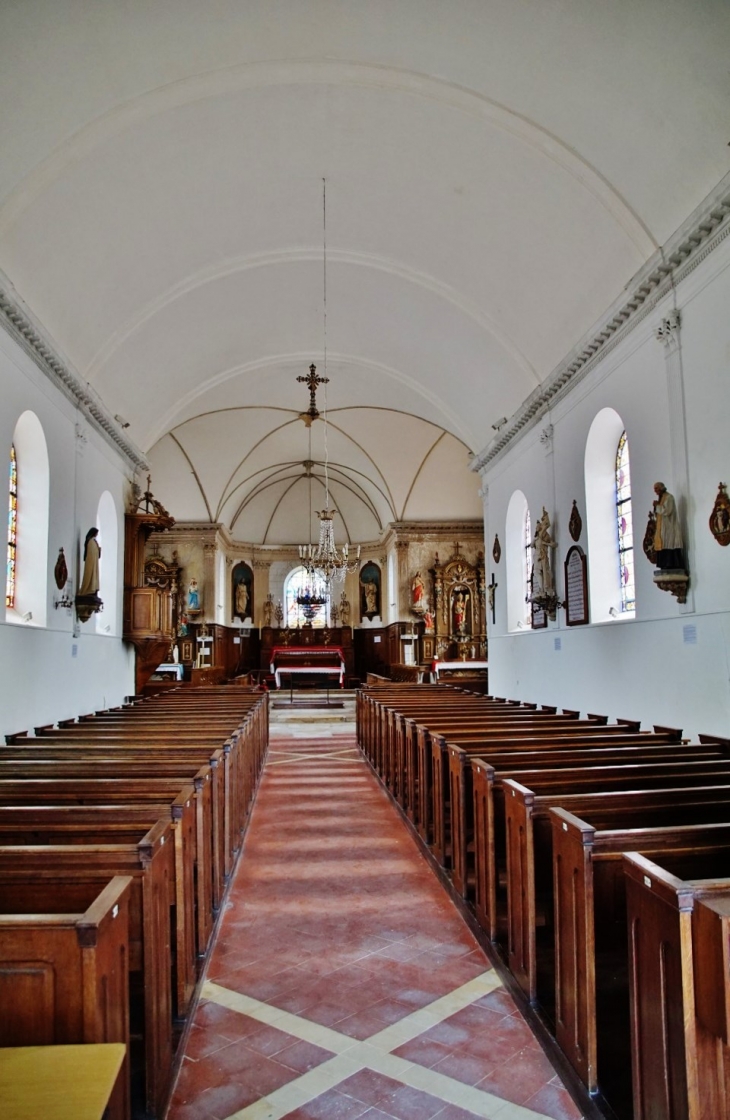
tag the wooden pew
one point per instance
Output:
(591, 954)
(64, 971)
(41, 870)
(679, 988)
(442, 778)
(149, 754)
(84, 767)
(559, 771)
(50, 812)
(529, 834)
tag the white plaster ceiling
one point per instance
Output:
(497, 170)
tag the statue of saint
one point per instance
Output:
(242, 599)
(542, 570)
(193, 595)
(92, 552)
(268, 610)
(418, 591)
(461, 599)
(370, 590)
(667, 533)
(344, 610)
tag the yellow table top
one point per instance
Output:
(58, 1082)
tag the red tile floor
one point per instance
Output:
(344, 983)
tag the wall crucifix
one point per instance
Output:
(492, 589)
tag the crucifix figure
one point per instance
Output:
(312, 382)
(492, 588)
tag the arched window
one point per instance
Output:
(32, 503)
(107, 524)
(12, 529)
(608, 519)
(527, 570)
(518, 538)
(295, 614)
(624, 526)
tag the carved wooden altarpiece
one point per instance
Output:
(459, 598)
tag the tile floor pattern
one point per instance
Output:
(343, 983)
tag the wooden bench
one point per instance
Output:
(41, 870)
(78, 814)
(679, 990)
(437, 781)
(64, 971)
(95, 768)
(591, 954)
(485, 857)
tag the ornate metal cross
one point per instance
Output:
(312, 381)
(492, 589)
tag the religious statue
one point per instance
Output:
(418, 591)
(241, 599)
(344, 610)
(92, 552)
(428, 619)
(268, 609)
(193, 596)
(370, 590)
(542, 571)
(667, 533)
(461, 599)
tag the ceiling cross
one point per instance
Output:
(312, 381)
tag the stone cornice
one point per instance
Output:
(703, 231)
(31, 337)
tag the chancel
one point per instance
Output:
(364, 372)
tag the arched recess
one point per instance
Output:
(604, 569)
(107, 521)
(31, 581)
(518, 609)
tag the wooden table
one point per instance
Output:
(58, 1082)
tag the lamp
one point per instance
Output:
(326, 562)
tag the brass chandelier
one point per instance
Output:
(323, 563)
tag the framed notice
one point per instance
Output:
(538, 617)
(576, 587)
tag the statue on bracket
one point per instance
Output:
(87, 599)
(663, 545)
(370, 590)
(242, 598)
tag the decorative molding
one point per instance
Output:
(700, 235)
(668, 330)
(32, 338)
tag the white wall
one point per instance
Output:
(669, 665)
(45, 672)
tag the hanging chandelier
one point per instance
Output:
(323, 562)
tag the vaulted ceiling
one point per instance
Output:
(497, 171)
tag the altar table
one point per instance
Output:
(325, 661)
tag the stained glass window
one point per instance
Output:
(12, 530)
(625, 526)
(527, 561)
(296, 614)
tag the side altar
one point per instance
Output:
(454, 640)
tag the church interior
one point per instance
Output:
(363, 369)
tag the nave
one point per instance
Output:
(343, 982)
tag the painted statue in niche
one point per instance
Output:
(459, 610)
(193, 597)
(370, 590)
(242, 591)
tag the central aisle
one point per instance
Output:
(344, 983)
